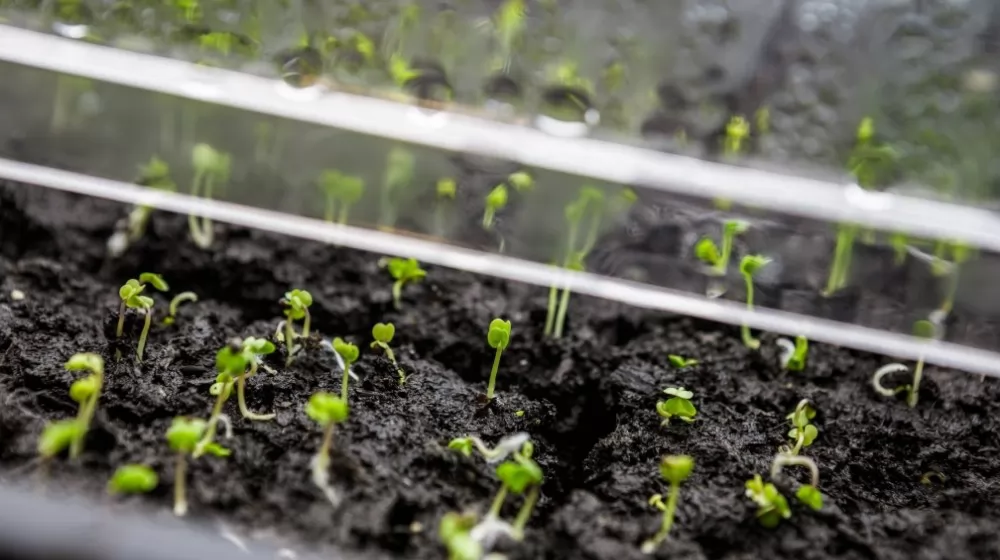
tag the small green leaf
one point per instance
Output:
(461, 445)
(707, 251)
(446, 188)
(133, 479)
(924, 329)
(809, 435)
(230, 361)
(497, 199)
(405, 269)
(129, 289)
(258, 346)
(383, 332)
(734, 227)
(85, 362)
(498, 335)
(521, 181)
(810, 496)
(676, 468)
(679, 392)
(154, 280)
(184, 433)
(676, 407)
(681, 361)
(751, 264)
(325, 408)
(139, 302)
(519, 475)
(83, 389)
(347, 351)
(57, 436)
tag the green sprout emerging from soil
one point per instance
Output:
(211, 168)
(793, 355)
(680, 361)
(923, 329)
(518, 476)
(522, 181)
(498, 337)
(240, 359)
(175, 303)
(495, 200)
(455, 532)
(349, 353)
(674, 469)
(57, 436)
(131, 298)
(503, 449)
(808, 494)
(296, 304)
(709, 253)
(326, 410)
(749, 266)
(402, 271)
(677, 406)
(86, 391)
(803, 433)
(345, 189)
(222, 389)
(133, 479)
(184, 437)
(737, 132)
(772, 507)
(383, 333)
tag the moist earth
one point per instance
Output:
(588, 401)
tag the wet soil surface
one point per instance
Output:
(587, 400)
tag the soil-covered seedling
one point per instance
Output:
(383, 333)
(498, 338)
(793, 354)
(402, 271)
(677, 406)
(133, 479)
(326, 410)
(211, 171)
(922, 329)
(241, 359)
(131, 298)
(803, 432)
(674, 469)
(749, 266)
(296, 304)
(349, 353)
(184, 437)
(711, 254)
(175, 304)
(338, 188)
(86, 391)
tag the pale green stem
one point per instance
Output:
(85, 416)
(397, 293)
(493, 374)
(241, 395)
(488, 214)
(342, 218)
(180, 486)
(550, 318)
(782, 460)
(524, 514)
(330, 209)
(288, 341)
(344, 381)
(748, 339)
(668, 521)
(561, 315)
(120, 329)
(305, 324)
(142, 337)
(213, 422)
(497, 504)
(914, 394)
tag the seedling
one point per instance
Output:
(211, 167)
(184, 436)
(495, 200)
(498, 337)
(345, 189)
(222, 389)
(132, 298)
(383, 333)
(749, 266)
(85, 391)
(522, 181)
(772, 507)
(240, 359)
(793, 355)
(923, 329)
(808, 494)
(517, 476)
(674, 469)
(803, 433)
(842, 254)
(133, 479)
(155, 175)
(737, 132)
(455, 532)
(709, 253)
(403, 271)
(504, 447)
(677, 406)
(57, 436)
(349, 353)
(681, 361)
(446, 190)
(398, 174)
(296, 304)
(175, 303)
(327, 411)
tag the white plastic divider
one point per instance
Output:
(636, 294)
(607, 161)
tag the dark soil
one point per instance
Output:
(587, 400)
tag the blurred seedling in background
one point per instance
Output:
(674, 469)
(402, 271)
(383, 333)
(503, 449)
(772, 507)
(86, 391)
(522, 181)
(803, 433)
(241, 359)
(327, 411)
(296, 304)
(349, 353)
(184, 437)
(793, 355)
(398, 174)
(680, 361)
(131, 298)
(446, 190)
(922, 329)
(175, 304)
(498, 337)
(133, 479)
(677, 406)
(340, 188)
(749, 266)
(496, 200)
(455, 532)
(154, 175)
(718, 259)
(211, 170)
(519, 475)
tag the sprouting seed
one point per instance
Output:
(57, 436)
(133, 479)
(326, 410)
(402, 271)
(922, 329)
(521, 181)
(455, 532)
(737, 131)
(383, 333)
(131, 298)
(677, 406)
(498, 337)
(517, 476)
(296, 304)
(793, 355)
(749, 266)
(808, 494)
(803, 432)
(503, 449)
(349, 353)
(772, 507)
(175, 303)
(241, 359)
(674, 469)
(495, 200)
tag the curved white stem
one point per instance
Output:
(882, 372)
(787, 351)
(781, 461)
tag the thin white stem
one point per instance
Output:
(882, 372)
(782, 460)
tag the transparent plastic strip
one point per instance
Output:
(636, 294)
(607, 161)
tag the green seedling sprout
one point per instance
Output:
(398, 174)
(131, 298)
(923, 329)
(296, 304)
(737, 132)
(175, 303)
(680, 361)
(677, 406)
(495, 200)
(455, 532)
(504, 448)
(802, 433)
(155, 175)
(749, 266)
(184, 437)
(383, 333)
(57, 436)
(402, 271)
(709, 253)
(326, 410)
(85, 391)
(517, 476)
(498, 337)
(772, 507)
(793, 355)
(674, 469)
(345, 189)
(133, 479)
(222, 389)
(240, 359)
(808, 494)
(211, 167)
(349, 353)
(522, 181)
